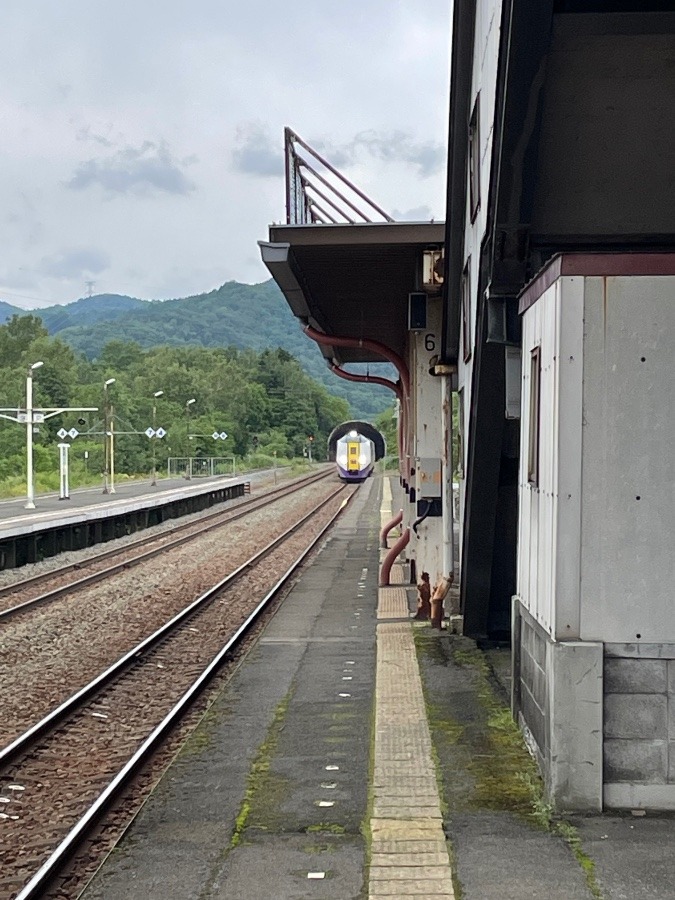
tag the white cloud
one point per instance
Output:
(256, 152)
(74, 263)
(172, 114)
(416, 214)
(135, 170)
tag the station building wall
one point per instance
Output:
(593, 630)
(483, 94)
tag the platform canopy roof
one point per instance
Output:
(351, 280)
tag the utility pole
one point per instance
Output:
(188, 461)
(31, 417)
(154, 436)
(108, 446)
(30, 489)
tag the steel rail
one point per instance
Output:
(37, 884)
(62, 570)
(20, 744)
(201, 529)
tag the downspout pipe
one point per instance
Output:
(384, 533)
(365, 343)
(388, 561)
(374, 379)
(392, 357)
(368, 379)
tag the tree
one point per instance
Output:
(16, 336)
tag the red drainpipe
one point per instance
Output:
(375, 346)
(384, 533)
(393, 357)
(374, 379)
(388, 562)
(369, 379)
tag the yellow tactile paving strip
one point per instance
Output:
(396, 574)
(385, 507)
(409, 856)
(393, 603)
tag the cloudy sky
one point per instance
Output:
(142, 140)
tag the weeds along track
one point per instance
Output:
(58, 778)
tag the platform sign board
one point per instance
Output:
(160, 433)
(73, 433)
(150, 432)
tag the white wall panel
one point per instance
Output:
(627, 569)
(538, 503)
(566, 545)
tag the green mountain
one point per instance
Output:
(7, 311)
(241, 315)
(89, 311)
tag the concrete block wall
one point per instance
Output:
(600, 718)
(558, 698)
(639, 726)
(530, 694)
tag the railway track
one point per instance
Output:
(59, 777)
(17, 597)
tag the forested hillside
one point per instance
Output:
(235, 315)
(263, 401)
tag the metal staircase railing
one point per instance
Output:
(316, 193)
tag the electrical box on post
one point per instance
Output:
(417, 311)
(428, 478)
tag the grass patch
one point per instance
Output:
(261, 783)
(570, 834)
(325, 828)
(506, 777)
(318, 848)
(503, 776)
(201, 738)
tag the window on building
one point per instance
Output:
(466, 310)
(534, 418)
(474, 159)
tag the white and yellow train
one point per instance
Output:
(354, 457)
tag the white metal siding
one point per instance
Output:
(568, 459)
(628, 570)
(549, 514)
(536, 524)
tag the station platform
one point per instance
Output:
(89, 516)
(357, 753)
(13, 511)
